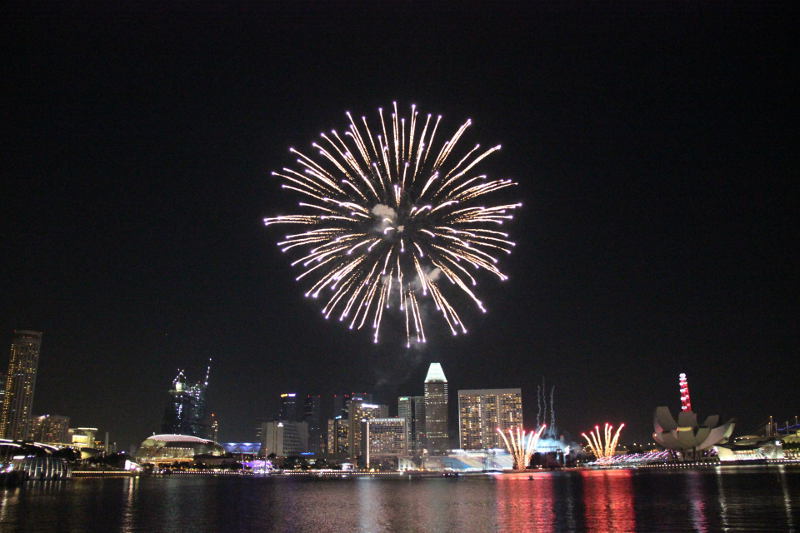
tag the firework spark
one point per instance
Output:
(394, 218)
(605, 445)
(521, 444)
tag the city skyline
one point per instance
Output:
(654, 164)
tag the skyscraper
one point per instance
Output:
(288, 409)
(436, 431)
(360, 411)
(16, 415)
(338, 439)
(311, 416)
(412, 409)
(186, 412)
(482, 411)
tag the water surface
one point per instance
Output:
(716, 499)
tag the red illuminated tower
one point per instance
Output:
(683, 384)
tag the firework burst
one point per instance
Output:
(521, 445)
(603, 445)
(393, 218)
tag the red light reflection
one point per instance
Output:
(608, 500)
(525, 502)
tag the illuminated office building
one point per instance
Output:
(384, 438)
(412, 409)
(16, 415)
(437, 437)
(360, 411)
(338, 437)
(52, 429)
(482, 411)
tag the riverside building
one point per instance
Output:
(16, 413)
(482, 411)
(437, 436)
(412, 409)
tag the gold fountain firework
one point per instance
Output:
(393, 218)
(605, 445)
(521, 444)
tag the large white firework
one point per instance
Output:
(393, 219)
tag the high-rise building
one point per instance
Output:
(437, 436)
(16, 414)
(186, 412)
(340, 405)
(412, 409)
(50, 429)
(482, 411)
(288, 408)
(312, 417)
(284, 438)
(384, 437)
(338, 438)
(360, 411)
(2, 391)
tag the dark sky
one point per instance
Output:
(651, 143)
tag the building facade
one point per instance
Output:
(186, 412)
(338, 438)
(51, 429)
(384, 438)
(412, 409)
(482, 411)
(437, 437)
(284, 438)
(360, 411)
(16, 414)
(312, 417)
(83, 438)
(288, 408)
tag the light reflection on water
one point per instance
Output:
(525, 502)
(608, 500)
(615, 500)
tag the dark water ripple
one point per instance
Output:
(721, 499)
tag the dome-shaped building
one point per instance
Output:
(160, 449)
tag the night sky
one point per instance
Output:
(651, 144)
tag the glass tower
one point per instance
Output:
(412, 409)
(436, 431)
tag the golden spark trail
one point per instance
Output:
(605, 445)
(388, 227)
(521, 444)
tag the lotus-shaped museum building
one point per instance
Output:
(686, 434)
